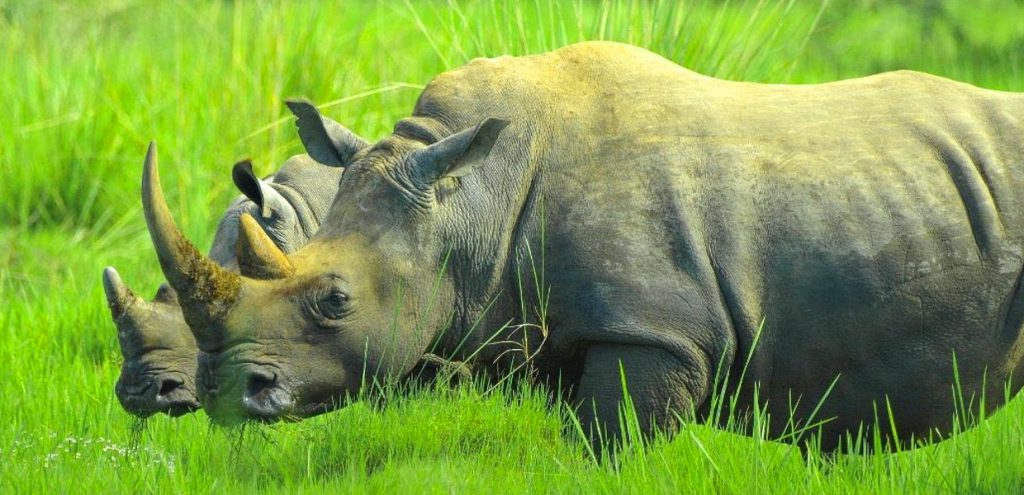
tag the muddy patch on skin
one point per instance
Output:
(215, 285)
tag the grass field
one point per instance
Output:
(85, 85)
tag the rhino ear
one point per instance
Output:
(327, 141)
(457, 155)
(266, 198)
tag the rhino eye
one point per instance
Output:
(333, 304)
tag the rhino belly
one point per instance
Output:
(888, 332)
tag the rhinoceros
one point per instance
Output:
(160, 354)
(619, 224)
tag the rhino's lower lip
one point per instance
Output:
(181, 409)
(144, 408)
(133, 399)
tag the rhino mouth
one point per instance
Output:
(256, 393)
(264, 400)
(181, 408)
(265, 405)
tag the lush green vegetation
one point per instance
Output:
(87, 83)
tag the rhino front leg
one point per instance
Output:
(661, 385)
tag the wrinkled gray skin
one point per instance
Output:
(875, 226)
(158, 373)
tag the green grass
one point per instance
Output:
(85, 85)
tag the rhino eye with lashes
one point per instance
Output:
(329, 304)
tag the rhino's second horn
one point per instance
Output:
(258, 256)
(119, 296)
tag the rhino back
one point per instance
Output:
(874, 225)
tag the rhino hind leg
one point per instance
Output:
(660, 385)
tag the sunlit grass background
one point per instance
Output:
(86, 84)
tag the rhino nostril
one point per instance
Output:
(168, 386)
(259, 381)
(265, 399)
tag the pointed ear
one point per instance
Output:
(327, 141)
(266, 198)
(457, 155)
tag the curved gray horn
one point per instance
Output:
(206, 290)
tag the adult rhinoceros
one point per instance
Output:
(160, 354)
(656, 218)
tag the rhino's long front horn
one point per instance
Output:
(206, 290)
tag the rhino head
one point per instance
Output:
(294, 335)
(160, 355)
(158, 373)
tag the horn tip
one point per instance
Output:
(151, 154)
(118, 294)
(247, 220)
(249, 227)
(112, 281)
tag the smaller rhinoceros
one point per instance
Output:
(160, 353)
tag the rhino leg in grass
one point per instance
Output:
(872, 229)
(160, 354)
